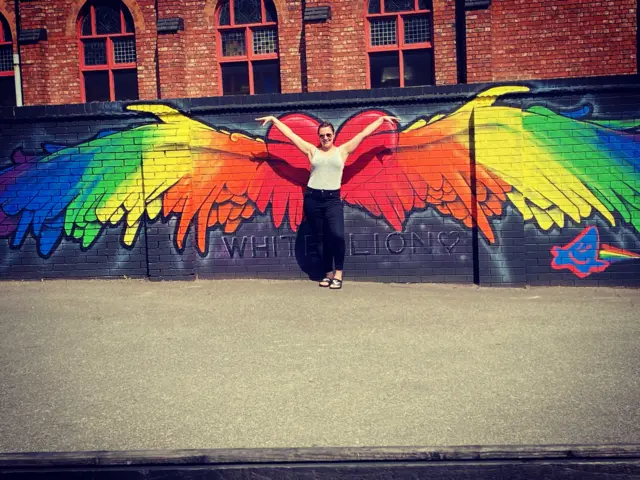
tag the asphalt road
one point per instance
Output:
(128, 365)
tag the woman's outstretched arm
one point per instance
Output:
(352, 144)
(304, 146)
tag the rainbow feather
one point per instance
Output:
(97, 183)
(560, 167)
(552, 167)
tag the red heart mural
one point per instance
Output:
(371, 178)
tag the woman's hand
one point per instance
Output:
(266, 120)
(352, 144)
(389, 118)
(303, 146)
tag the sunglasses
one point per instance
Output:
(326, 135)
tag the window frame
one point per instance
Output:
(249, 56)
(89, 9)
(400, 46)
(4, 43)
(7, 76)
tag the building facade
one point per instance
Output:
(74, 51)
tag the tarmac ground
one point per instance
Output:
(138, 365)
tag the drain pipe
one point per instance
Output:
(157, 55)
(461, 39)
(17, 72)
(17, 79)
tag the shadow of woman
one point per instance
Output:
(307, 254)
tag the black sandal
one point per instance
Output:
(325, 282)
(336, 284)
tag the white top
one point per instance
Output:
(326, 170)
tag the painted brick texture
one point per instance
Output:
(498, 185)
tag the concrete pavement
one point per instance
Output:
(130, 364)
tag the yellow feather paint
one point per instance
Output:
(544, 189)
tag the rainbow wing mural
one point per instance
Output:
(216, 178)
(592, 168)
(105, 185)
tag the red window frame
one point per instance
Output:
(111, 65)
(5, 31)
(250, 57)
(400, 46)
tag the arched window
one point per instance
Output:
(248, 47)
(107, 43)
(7, 85)
(399, 43)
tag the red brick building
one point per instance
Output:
(73, 51)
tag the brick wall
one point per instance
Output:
(289, 35)
(189, 59)
(477, 184)
(146, 37)
(444, 34)
(524, 39)
(479, 44)
(511, 40)
(35, 71)
(336, 50)
(51, 73)
(172, 60)
(201, 68)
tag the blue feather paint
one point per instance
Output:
(51, 233)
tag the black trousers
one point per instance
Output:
(325, 213)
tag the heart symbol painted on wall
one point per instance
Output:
(306, 127)
(449, 240)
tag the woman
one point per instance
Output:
(322, 204)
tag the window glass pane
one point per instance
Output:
(235, 78)
(398, 5)
(124, 49)
(225, 15)
(385, 69)
(272, 14)
(266, 76)
(265, 40)
(6, 31)
(424, 4)
(383, 31)
(95, 52)
(374, 6)
(418, 67)
(7, 92)
(417, 28)
(86, 24)
(128, 22)
(125, 83)
(96, 86)
(107, 19)
(247, 11)
(6, 58)
(233, 43)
